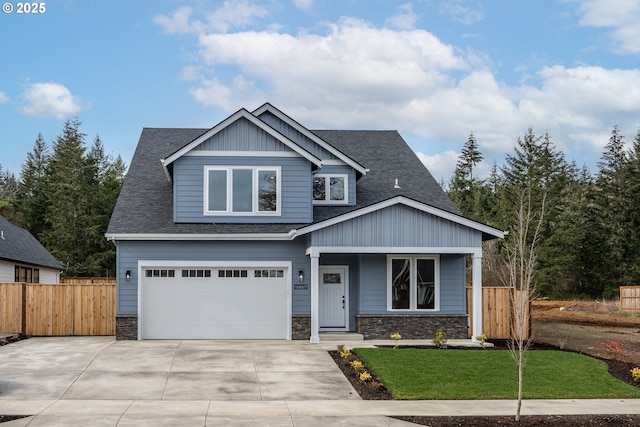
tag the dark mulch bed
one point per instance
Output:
(618, 369)
(6, 418)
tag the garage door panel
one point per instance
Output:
(216, 307)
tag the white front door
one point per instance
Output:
(334, 298)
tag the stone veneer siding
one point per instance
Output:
(300, 327)
(127, 327)
(411, 326)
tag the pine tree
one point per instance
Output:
(8, 192)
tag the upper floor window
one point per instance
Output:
(242, 190)
(330, 189)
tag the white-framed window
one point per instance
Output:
(240, 190)
(413, 282)
(330, 189)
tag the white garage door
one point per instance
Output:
(215, 303)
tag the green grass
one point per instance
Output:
(415, 374)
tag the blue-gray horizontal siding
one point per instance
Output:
(351, 179)
(242, 135)
(129, 253)
(373, 285)
(296, 136)
(400, 226)
(188, 189)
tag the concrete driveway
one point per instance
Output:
(99, 368)
(97, 381)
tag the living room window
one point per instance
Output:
(413, 282)
(330, 189)
(242, 190)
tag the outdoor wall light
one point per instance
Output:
(301, 276)
(127, 276)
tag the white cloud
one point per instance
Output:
(49, 100)
(405, 19)
(232, 14)
(620, 16)
(460, 13)
(3, 98)
(356, 75)
(303, 4)
(440, 165)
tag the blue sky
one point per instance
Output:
(434, 70)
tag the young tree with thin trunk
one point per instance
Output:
(519, 274)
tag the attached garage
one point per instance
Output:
(215, 301)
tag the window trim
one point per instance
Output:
(30, 273)
(327, 185)
(413, 299)
(255, 191)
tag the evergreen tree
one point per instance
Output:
(8, 192)
(465, 190)
(68, 197)
(32, 198)
(106, 181)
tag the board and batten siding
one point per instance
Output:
(373, 285)
(296, 136)
(129, 252)
(242, 135)
(188, 189)
(399, 226)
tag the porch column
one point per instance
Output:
(476, 296)
(315, 327)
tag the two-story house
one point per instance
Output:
(260, 228)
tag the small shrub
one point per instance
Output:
(635, 374)
(365, 376)
(482, 338)
(440, 340)
(345, 353)
(615, 347)
(396, 337)
(373, 384)
(357, 365)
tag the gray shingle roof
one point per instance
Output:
(18, 245)
(145, 202)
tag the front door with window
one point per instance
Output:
(334, 298)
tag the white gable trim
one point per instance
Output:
(216, 236)
(242, 113)
(407, 202)
(306, 132)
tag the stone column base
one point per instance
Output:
(301, 327)
(126, 327)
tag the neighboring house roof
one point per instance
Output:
(18, 245)
(145, 206)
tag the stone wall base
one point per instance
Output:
(126, 327)
(410, 326)
(300, 327)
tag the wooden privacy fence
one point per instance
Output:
(629, 297)
(497, 312)
(58, 310)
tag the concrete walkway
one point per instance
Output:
(73, 381)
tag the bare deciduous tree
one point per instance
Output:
(519, 274)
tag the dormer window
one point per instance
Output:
(241, 190)
(330, 189)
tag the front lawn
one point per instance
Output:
(426, 374)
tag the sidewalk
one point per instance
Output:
(284, 412)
